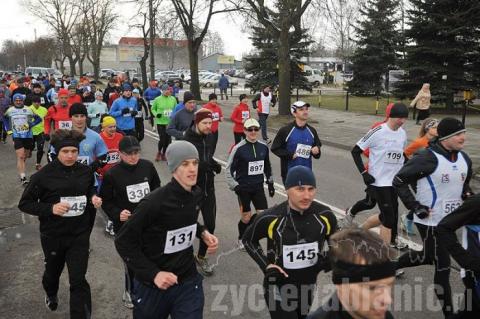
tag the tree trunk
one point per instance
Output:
(80, 66)
(143, 71)
(71, 62)
(96, 68)
(284, 71)
(193, 59)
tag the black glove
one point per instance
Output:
(217, 168)
(47, 137)
(421, 211)
(274, 276)
(158, 115)
(271, 189)
(237, 190)
(367, 178)
(125, 111)
(466, 195)
(97, 115)
(133, 113)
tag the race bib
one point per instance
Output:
(393, 157)
(167, 113)
(180, 239)
(42, 100)
(137, 192)
(139, 114)
(77, 205)
(113, 157)
(449, 205)
(20, 124)
(84, 160)
(65, 125)
(255, 168)
(300, 256)
(245, 115)
(303, 150)
(215, 116)
(127, 115)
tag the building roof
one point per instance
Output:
(159, 42)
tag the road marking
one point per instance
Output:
(339, 213)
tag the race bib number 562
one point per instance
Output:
(180, 239)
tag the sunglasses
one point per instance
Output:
(253, 129)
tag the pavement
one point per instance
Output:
(343, 129)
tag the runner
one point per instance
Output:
(112, 139)
(73, 97)
(4, 105)
(200, 136)
(248, 162)
(139, 126)
(240, 114)
(441, 174)
(296, 232)
(149, 95)
(217, 113)
(183, 118)
(37, 91)
(59, 114)
(156, 242)
(19, 120)
(124, 185)
(386, 144)
(37, 130)
(262, 102)
(468, 253)
(363, 274)
(96, 110)
(124, 110)
(63, 197)
(162, 107)
(297, 142)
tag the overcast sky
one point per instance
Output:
(19, 24)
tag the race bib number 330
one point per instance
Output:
(300, 256)
(180, 239)
(137, 192)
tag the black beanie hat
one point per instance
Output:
(300, 176)
(449, 127)
(212, 96)
(188, 96)
(78, 108)
(399, 110)
(242, 96)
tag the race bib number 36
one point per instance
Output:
(137, 192)
(180, 239)
(449, 205)
(65, 125)
(255, 168)
(77, 205)
(303, 150)
(300, 256)
(393, 157)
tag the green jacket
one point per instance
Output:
(163, 105)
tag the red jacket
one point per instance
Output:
(113, 155)
(239, 115)
(60, 116)
(217, 115)
(74, 99)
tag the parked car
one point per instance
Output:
(212, 80)
(106, 73)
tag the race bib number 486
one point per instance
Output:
(180, 239)
(303, 150)
(300, 256)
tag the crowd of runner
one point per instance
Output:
(92, 139)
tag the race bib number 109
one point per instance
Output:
(180, 239)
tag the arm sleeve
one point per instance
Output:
(421, 165)
(172, 128)
(268, 168)
(251, 239)
(30, 201)
(48, 120)
(230, 169)
(235, 116)
(91, 112)
(464, 215)
(107, 193)
(129, 242)
(279, 146)
(114, 110)
(274, 99)
(411, 148)
(154, 107)
(414, 101)
(316, 142)
(466, 184)
(156, 183)
(255, 99)
(357, 158)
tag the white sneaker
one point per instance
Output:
(127, 300)
(240, 245)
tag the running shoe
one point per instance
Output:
(24, 181)
(407, 225)
(205, 268)
(38, 166)
(127, 300)
(109, 228)
(240, 245)
(51, 302)
(398, 245)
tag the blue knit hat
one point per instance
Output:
(300, 176)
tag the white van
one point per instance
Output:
(314, 76)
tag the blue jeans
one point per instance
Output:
(262, 119)
(182, 301)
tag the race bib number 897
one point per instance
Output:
(255, 168)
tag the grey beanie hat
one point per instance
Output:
(179, 151)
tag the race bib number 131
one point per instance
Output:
(180, 239)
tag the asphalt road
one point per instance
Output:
(234, 290)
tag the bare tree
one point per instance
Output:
(190, 13)
(61, 16)
(213, 43)
(100, 18)
(288, 16)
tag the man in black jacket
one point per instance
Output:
(123, 187)
(363, 274)
(466, 254)
(62, 195)
(157, 242)
(200, 136)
